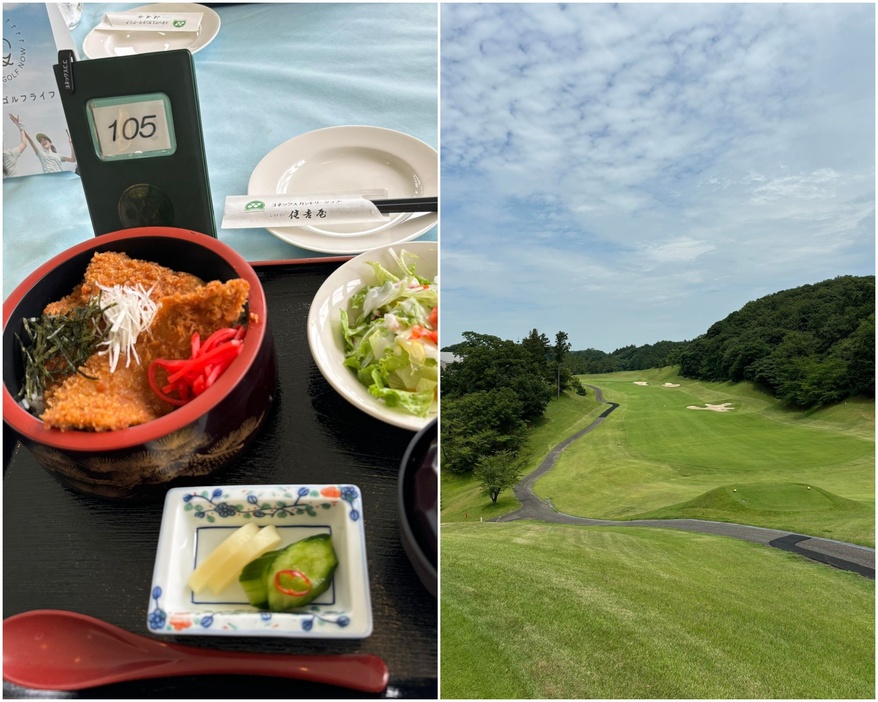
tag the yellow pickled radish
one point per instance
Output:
(212, 565)
(267, 539)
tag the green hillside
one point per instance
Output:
(810, 345)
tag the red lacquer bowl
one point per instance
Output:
(193, 441)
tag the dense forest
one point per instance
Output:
(810, 345)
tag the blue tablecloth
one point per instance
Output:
(273, 72)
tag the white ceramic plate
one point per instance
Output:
(103, 43)
(197, 519)
(325, 335)
(350, 159)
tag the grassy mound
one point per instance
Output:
(546, 612)
(769, 497)
(777, 506)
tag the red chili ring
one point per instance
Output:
(288, 591)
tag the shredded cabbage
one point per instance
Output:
(391, 336)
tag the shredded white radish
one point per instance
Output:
(129, 312)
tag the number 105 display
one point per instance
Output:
(135, 126)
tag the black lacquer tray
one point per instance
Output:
(63, 550)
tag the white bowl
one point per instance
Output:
(197, 519)
(324, 327)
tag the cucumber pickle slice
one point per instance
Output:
(253, 581)
(292, 577)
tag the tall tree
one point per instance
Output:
(560, 350)
(538, 349)
(499, 472)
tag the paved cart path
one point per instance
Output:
(859, 559)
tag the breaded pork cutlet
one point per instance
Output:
(115, 268)
(124, 398)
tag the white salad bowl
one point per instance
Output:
(326, 339)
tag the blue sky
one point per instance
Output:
(632, 173)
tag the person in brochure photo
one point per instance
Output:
(13, 153)
(50, 159)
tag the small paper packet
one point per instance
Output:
(138, 20)
(301, 210)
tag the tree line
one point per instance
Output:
(627, 358)
(490, 396)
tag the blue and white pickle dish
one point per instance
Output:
(197, 519)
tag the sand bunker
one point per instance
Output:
(640, 382)
(724, 407)
(671, 385)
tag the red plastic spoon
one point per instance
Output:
(51, 649)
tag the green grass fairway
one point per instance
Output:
(546, 612)
(461, 498)
(754, 464)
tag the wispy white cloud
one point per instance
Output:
(679, 159)
(818, 185)
(683, 249)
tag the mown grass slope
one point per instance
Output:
(655, 457)
(546, 612)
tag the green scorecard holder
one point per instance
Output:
(135, 125)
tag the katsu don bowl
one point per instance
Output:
(167, 370)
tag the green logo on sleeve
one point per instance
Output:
(179, 23)
(254, 205)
